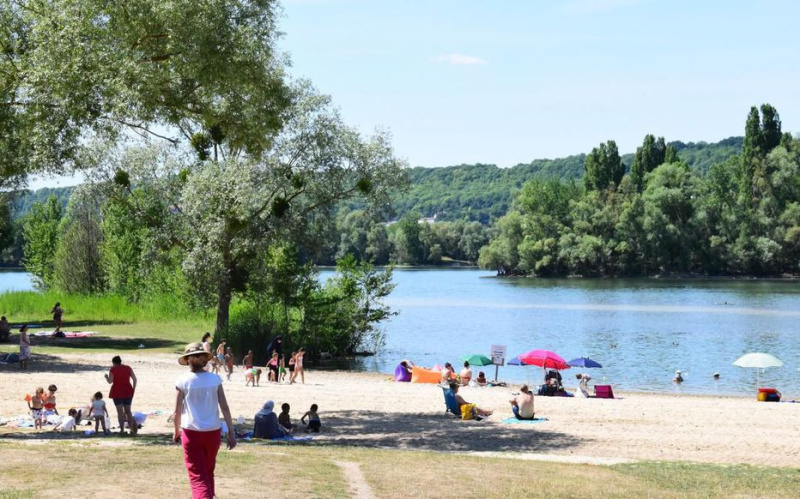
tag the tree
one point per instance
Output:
(41, 240)
(77, 266)
(603, 167)
(207, 72)
(651, 154)
(219, 213)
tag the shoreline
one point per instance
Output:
(368, 410)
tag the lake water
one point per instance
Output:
(641, 330)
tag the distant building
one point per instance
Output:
(427, 220)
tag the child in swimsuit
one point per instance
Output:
(252, 375)
(35, 406)
(314, 423)
(50, 401)
(247, 361)
(229, 362)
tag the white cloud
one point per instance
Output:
(459, 59)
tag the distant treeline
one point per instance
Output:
(730, 213)
(465, 193)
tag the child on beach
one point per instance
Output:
(284, 419)
(281, 369)
(50, 401)
(215, 363)
(35, 406)
(314, 424)
(252, 375)
(67, 423)
(229, 362)
(99, 412)
(272, 365)
(24, 347)
(298, 367)
(247, 361)
(221, 352)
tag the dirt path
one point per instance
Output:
(358, 485)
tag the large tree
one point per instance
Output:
(222, 214)
(203, 71)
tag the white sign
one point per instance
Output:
(498, 355)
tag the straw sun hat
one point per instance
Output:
(193, 349)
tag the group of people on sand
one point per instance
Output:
(123, 382)
(278, 369)
(268, 425)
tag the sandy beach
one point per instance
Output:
(367, 409)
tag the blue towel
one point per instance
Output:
(290, 437)
(524, 421)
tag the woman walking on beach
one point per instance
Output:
(196, 419)
(120, 377)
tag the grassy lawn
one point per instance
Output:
(155, 469)
(162, 326)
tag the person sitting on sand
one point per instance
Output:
(5, 329)
(678, 378)
(314, 423)
(448, 373)
(266, 423)
(522, 404)
(583, 385)
(466, 374)
(284, 419)
(460, 401)
(67, 423)
(481, 379)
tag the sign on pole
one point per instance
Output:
(498, 355)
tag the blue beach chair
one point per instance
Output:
(450, 403)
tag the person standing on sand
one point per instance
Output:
(196, 419)
(120, 377)
(57, 313)
(24, 347)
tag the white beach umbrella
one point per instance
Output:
(758, 360)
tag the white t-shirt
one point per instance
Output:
(67, 424)
(200, 411)
(98, 407)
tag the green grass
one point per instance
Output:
(154, 468)
(162, 325)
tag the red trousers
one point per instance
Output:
(200, 455)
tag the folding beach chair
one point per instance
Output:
(450, 403)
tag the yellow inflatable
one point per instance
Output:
(422, 375)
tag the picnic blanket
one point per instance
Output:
(524, 421)
(68, 334)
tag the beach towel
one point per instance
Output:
(67, 334)
(524, 421)
(292, 438)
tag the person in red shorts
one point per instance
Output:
(123, 386)
(196, 418)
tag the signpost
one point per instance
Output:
(498, 356)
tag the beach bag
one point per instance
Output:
(12, 357)
(468, 411)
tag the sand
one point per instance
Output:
(367, 409)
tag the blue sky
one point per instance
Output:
(506, 82)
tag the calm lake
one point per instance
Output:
(640, 330)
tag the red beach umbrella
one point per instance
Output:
(544, 359)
